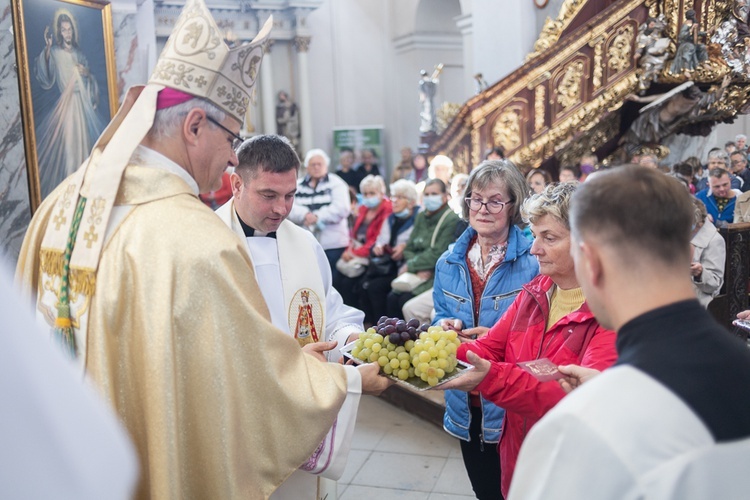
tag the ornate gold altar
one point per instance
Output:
(578, 90)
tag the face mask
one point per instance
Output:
(370, 201)
(432, 202)
(403, 214)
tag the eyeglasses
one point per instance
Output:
(237, 139)
(493, 206)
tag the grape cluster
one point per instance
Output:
(399, 331)
(426, 352)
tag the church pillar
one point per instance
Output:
(302, 43)
(267, 93)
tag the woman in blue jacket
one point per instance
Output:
(475, 282)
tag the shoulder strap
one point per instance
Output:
(437, 228)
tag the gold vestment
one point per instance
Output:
(218, 402)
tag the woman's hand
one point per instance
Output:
(377, 250)
(575, 375)
(398, 252)
(425, 275)
(451, 324)
(472, 378)
(473, 333)
(347, 255)
(310, 219)
(696, 269)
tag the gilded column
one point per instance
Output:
(267, 94)
(302, 43)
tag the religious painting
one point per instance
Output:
(66, 69)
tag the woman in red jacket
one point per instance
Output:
(549, 319)
(373, 212)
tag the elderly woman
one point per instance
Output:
(322, 205)
(475, 282)
(537, 179)
(709, 256)
(434, 230)
(549, 319)
(373, 212)
(389, 250)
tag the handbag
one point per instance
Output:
(352, 268)
(407, 281)
(381, 265)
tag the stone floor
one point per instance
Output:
(397, 455)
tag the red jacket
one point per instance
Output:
(519, 336)
(373, 230)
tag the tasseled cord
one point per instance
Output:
(63, 330)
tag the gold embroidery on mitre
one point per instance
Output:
(197, 61)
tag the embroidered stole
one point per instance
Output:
(304, 294)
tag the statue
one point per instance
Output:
(652, 50)
(427, 88)
(481, 84)
(287, 119)
(689, 53)
(684, 109)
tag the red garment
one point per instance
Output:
(373, 230)
(519, 336)
(215, 199)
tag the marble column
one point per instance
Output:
(302, 43)
(267, 93)
(15, 208)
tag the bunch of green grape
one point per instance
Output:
(430, 357)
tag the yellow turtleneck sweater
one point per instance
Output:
(562, 303)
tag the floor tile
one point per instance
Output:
(356, 459)
(355, 492)
(400, 471)
(416, 437)
(444, 496)
(453, 479)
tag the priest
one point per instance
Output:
(294, 276)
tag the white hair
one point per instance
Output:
(374, 181)
(168, 119)
(317, 152)
(740, 136)
(440, 161)
(405, 188)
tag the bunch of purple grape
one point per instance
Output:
(399, 331)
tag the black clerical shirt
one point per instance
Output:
(685, 349)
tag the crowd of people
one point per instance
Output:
(488, 255)
(212, 334)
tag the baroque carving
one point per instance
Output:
(569, 89)
(552, 30)
(619, 53)
(446, 113)
(508, 128)
(582, 120)
(600, 134)
(539, 107)
(596, 77)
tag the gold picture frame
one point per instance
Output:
(67, 81)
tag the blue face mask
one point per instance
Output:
(432, 202)
(370, 201)
(403, 214)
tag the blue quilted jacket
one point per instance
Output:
(453, 297)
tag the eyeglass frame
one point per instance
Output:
(469, 200)
(237, 139)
